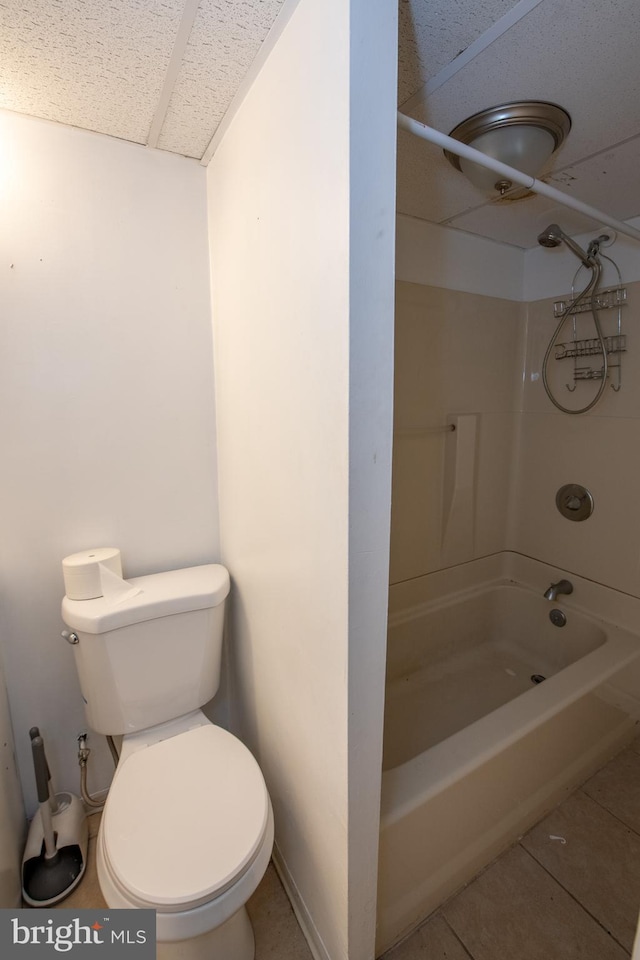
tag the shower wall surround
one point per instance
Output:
(459, 359)
(600, 450)
(466, 353)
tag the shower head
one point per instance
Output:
(553, 236)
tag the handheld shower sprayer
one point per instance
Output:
(553, 236)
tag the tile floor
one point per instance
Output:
(543, 899)
(569, 890)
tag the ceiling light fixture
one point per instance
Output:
(523, 134)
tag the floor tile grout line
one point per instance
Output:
(519, 843)
(414, 932)
(607, 810)
(457, 936)
(574, 898)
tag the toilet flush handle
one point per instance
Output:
(70, 637)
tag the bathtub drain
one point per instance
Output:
(537, 678)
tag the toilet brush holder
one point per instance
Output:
(71, 838)
(55, 855)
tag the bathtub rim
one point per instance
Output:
(595, 600)
(407, 614)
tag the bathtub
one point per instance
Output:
(493, 714)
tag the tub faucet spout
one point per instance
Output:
(562, 586)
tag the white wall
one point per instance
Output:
(293, 377)
(429, 253)
(12, 830)
(106, 413)
(371, 261)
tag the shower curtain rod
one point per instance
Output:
(510, 173)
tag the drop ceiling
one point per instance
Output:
(461, 56)
(165, 73)
(157, 72)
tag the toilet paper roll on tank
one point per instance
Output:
(95, 573)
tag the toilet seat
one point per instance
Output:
(185, 819)
(174, 925)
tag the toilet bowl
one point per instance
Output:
(187, 828)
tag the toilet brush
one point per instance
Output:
(55, 855)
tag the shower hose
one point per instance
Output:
(589, 291)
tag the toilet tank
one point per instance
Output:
(150, 657)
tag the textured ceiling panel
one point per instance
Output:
(97, 64)
(225, 39)
(433, 34)
(608, 182)
(587, 65)
(428, 186)
(519, 224)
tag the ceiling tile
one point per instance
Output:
(225, 39)
(428, 186)
(433, 34)
(608, 181)
(583, 57)
(427, 189)
(97, 64)
(520, 223)
(601, 181)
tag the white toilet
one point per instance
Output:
(187, 828)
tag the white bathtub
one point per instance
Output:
(475, 750)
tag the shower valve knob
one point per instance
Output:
(574, 501)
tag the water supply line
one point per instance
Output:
(83, 758)
(510, 173)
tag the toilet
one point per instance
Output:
(187, 828)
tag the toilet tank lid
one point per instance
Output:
(161, 595)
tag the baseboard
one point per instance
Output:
(309, 929)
